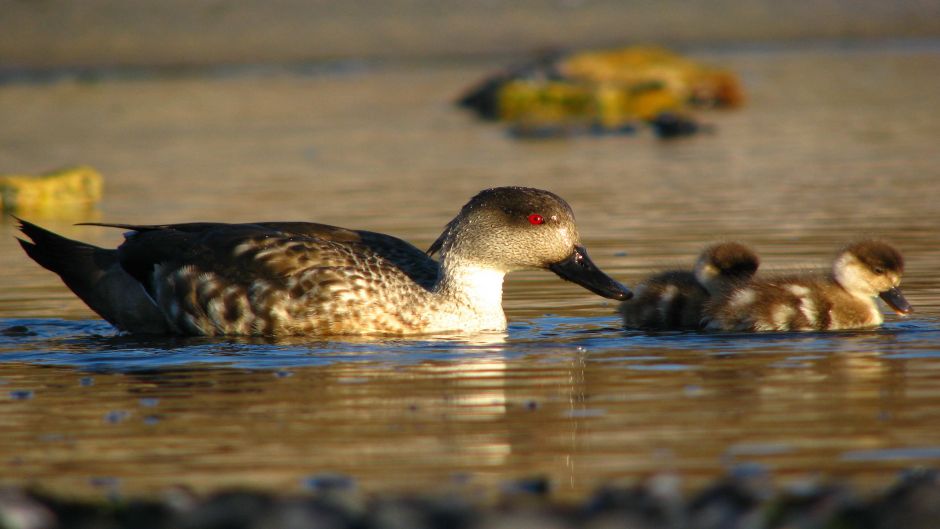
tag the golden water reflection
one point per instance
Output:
(581, 418)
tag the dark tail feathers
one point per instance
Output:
(95, 275)
(71, 260)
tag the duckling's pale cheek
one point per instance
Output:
(849, 273)
(705, 274)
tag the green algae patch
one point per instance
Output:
(51, 194)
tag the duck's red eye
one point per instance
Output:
(535, 218)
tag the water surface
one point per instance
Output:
(835, 143)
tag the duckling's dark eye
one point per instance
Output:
(879, 270)
(536, 219)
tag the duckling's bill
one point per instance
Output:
(896, 300)
(578, 268)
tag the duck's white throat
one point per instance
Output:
(473, 298)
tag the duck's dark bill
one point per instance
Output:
(895, 299)
(579, 269)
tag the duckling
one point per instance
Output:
(290, 278)
(675, 299)
(843, 298)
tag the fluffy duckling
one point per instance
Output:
(841, 299)
(675, 299)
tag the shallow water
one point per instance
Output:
(834, 143)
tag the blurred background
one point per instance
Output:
(49, 33)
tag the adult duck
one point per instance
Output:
(294, 278)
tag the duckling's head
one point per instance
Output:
(872, 268)
(723, 263)
(514, 228)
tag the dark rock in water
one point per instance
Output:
(67, 514)
(230, 510)
(300, 513)
(735, 502)
(624, 129)
(637, 504)
(418, 513)
(914, 503)
(145, 515)
(668, 125)
(540, 132)
(725, 504)
(535, 486)
(821, 506)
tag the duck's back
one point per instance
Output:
(800, 302)
(278, 278)
(670, 300)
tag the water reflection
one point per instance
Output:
(581, 412)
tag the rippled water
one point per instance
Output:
(835, 143)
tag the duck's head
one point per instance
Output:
(515, 228)
(872, 268)
(723, 263)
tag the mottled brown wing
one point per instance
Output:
(271, 251)
(403, 255)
